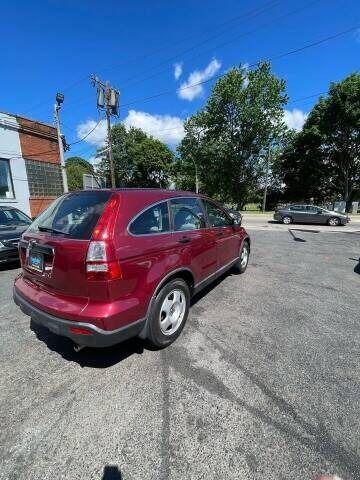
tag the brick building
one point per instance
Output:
(30, 170)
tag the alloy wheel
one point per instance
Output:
(172, 312)
(244, 257)
(334, 222)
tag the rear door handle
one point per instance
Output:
(219, 234)
(185, 240)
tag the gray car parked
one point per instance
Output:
(309, 214)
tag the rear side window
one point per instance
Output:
(74, 215)
(187, 214)
(217, 217)
(297, 208)
(153, 220)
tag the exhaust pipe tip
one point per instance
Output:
(78, 348)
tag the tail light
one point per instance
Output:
(101, 262)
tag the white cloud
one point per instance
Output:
(163, 127)
(188, 92)
(97, 136)
(295, 118)
(178, 68)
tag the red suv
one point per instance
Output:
(102, 266)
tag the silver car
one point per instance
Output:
(309, 214)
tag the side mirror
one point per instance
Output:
(236, 220)
(319, 211)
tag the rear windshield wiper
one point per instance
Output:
(51, 230)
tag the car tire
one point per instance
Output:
(286, 220)
(333, 222)
(241, 265)
(168, 313)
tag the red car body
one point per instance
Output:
(110, 304)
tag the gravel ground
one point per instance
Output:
(262, 384)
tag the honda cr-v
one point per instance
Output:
(102, 266)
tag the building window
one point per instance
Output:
(45, 179)
(6, 186)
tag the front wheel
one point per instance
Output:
(286, 220)
(333, 222)
(241, 265)
(169, 313)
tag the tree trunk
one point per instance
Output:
(346, 186)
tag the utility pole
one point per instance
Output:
(266, 179)
(192, 159)
(57, 107)
(108, 100)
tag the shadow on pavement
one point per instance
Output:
(106, 357)
(88, 357)
(111, 472)
(357, 266)
(210, 287)
(297, 239)
(306, 230)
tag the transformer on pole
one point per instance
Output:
(108, 100)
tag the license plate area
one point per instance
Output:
(38, 258)
(36, 261)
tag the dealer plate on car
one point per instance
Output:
(36, 261)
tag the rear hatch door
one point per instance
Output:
(54, 248)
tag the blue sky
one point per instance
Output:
(49, 46)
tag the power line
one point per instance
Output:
(250, 32)
(252, 13)
(216, 47)
(291, 52)
(307, 98)
(87, 134)
(151, 132)
(154, 52)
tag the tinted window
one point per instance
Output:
(217, 217)
(297, 208)
(75, 214)
(187, 214)
(12, 217)
(154, 220)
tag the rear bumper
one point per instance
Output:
(96, 338)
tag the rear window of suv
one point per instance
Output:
(74, 215)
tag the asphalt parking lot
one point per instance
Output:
(262, 384)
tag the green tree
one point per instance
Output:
(323, 161)
(228, 139)
(139, 160)
(75, 168)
